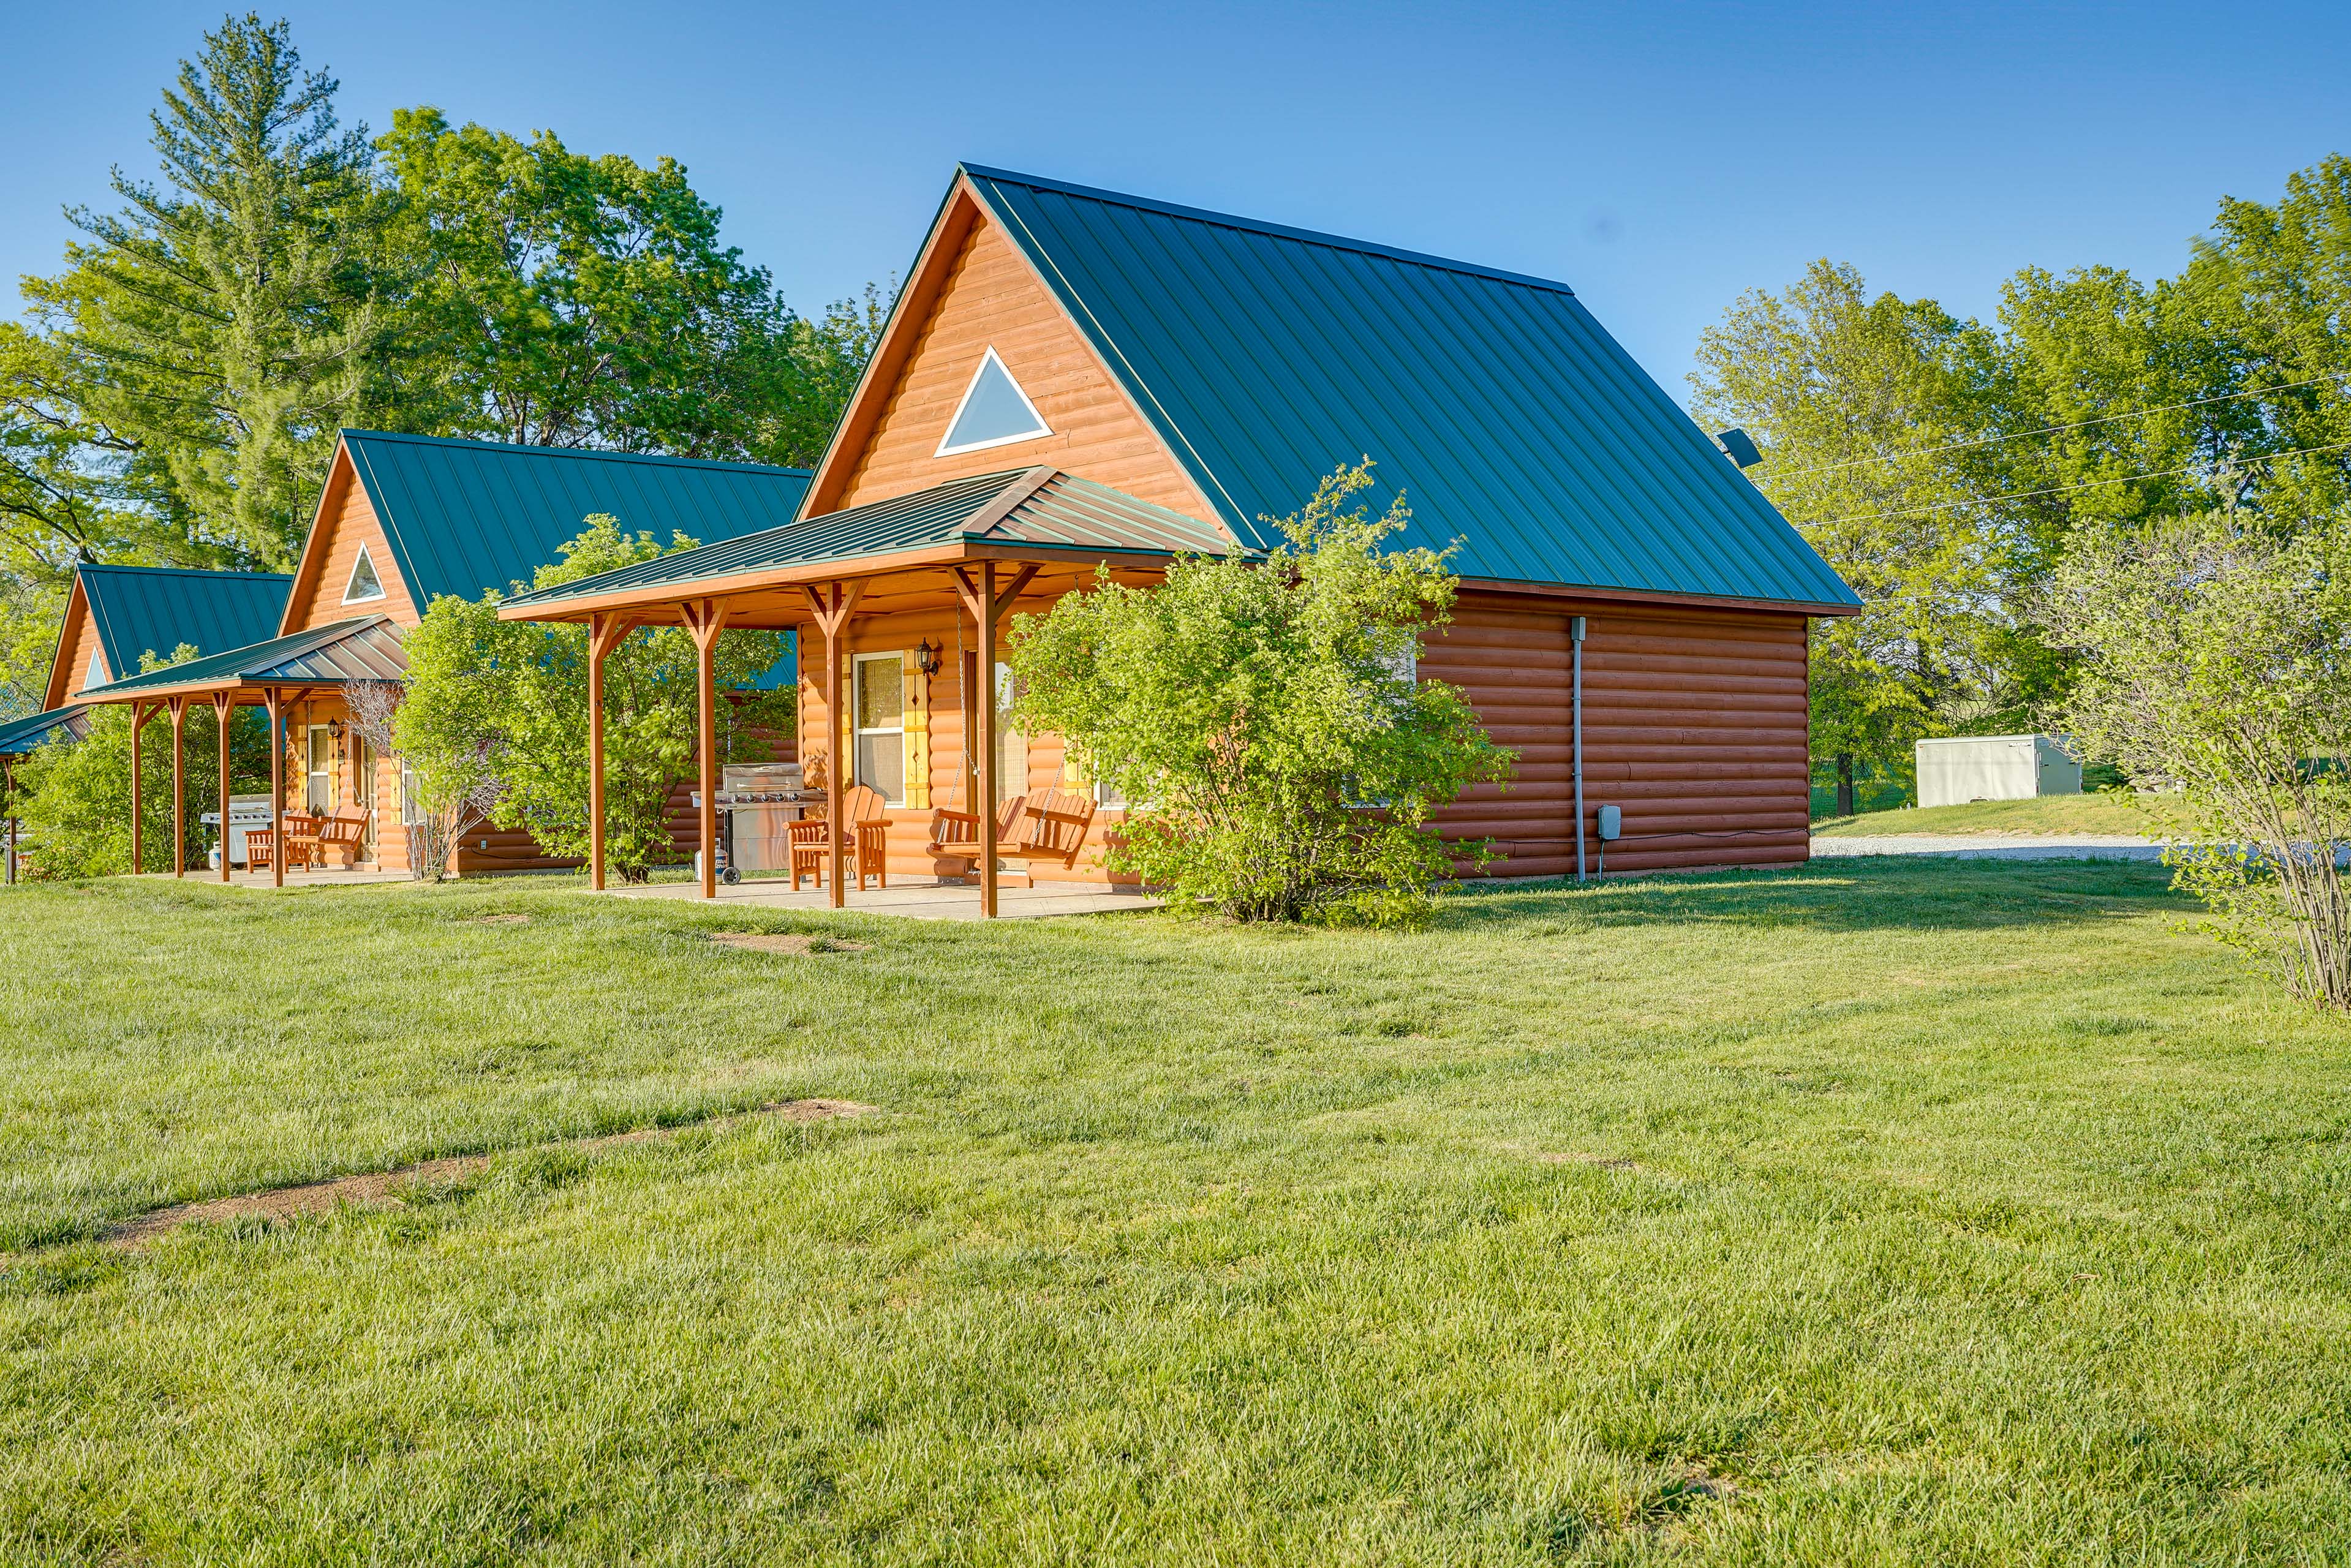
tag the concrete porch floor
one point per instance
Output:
(915, 901)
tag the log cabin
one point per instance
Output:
(401, 520)
(1074, 379)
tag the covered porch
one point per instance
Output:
(947, 563)
(275, 676)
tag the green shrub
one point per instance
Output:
(1254, 711)
(2217, 656)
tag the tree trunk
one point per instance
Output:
(1844, 784)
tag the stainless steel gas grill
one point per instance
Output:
(756, 805)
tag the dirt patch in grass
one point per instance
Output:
(381, 1189)
(786, 942)
(502, 920)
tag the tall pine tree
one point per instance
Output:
(222, 319)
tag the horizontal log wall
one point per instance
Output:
(346, 521)
(1695, 725)
(990, 297)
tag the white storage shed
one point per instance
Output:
(1958, 768)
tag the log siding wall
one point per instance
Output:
(990, 297)
(345, 522)
(1696, 725)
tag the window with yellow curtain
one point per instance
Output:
(881, 712)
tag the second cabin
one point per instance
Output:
(1074, 379)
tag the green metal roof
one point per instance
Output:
(139, 609)
(21, 735)
(1267, 356)
(366, 648)
(465, 516)
(1026, 505)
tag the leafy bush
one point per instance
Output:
(507, 701)
(1253, 709)
(2218, 657)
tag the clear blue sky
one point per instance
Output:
(1660, 159)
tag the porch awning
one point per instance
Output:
(365, 649)
(1029, 514)
(19, 738)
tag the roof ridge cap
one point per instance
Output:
(1022, 487)
(348, 432)
(1266, 227)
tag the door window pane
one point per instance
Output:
(319, 795)
(881, 720)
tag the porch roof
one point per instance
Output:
(19, 738)
(1027, 513)
(363, 649)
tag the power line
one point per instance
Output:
(2055, 429)
(2067, 489)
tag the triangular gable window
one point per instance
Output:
(97, 677)
(364, 583)
(994, 411)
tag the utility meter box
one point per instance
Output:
(1958, 768)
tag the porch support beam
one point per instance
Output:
(704, 619)
(273, 699)
(832, 605)
(605, 630)
(977, 586)
(224, 709)
(137, 722)
(179, 707)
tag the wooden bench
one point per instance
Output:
(301, 842)
(345, 831)
(865, 840)
(1044, 826)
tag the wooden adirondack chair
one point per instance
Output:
(865, 840)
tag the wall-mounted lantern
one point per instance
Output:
(926, 657)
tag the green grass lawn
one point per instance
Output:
(2103, 812)
(1954, 1212)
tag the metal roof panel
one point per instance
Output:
(1267, 356)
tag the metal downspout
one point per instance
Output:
(1575, 633)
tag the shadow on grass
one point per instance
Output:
(1858, 894)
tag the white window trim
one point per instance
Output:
(859, 729)
(991, 357)
(333, 793)
(367, 560)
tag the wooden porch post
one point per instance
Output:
(274, 699)
(605, 634)
(987, 604)
(704, 619)
(8, 804)
(179, 788)
(137, 722)
(834, 606)
(224, 708)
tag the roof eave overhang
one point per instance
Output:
(1646, 596)
(256, 684)
(668, 595)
